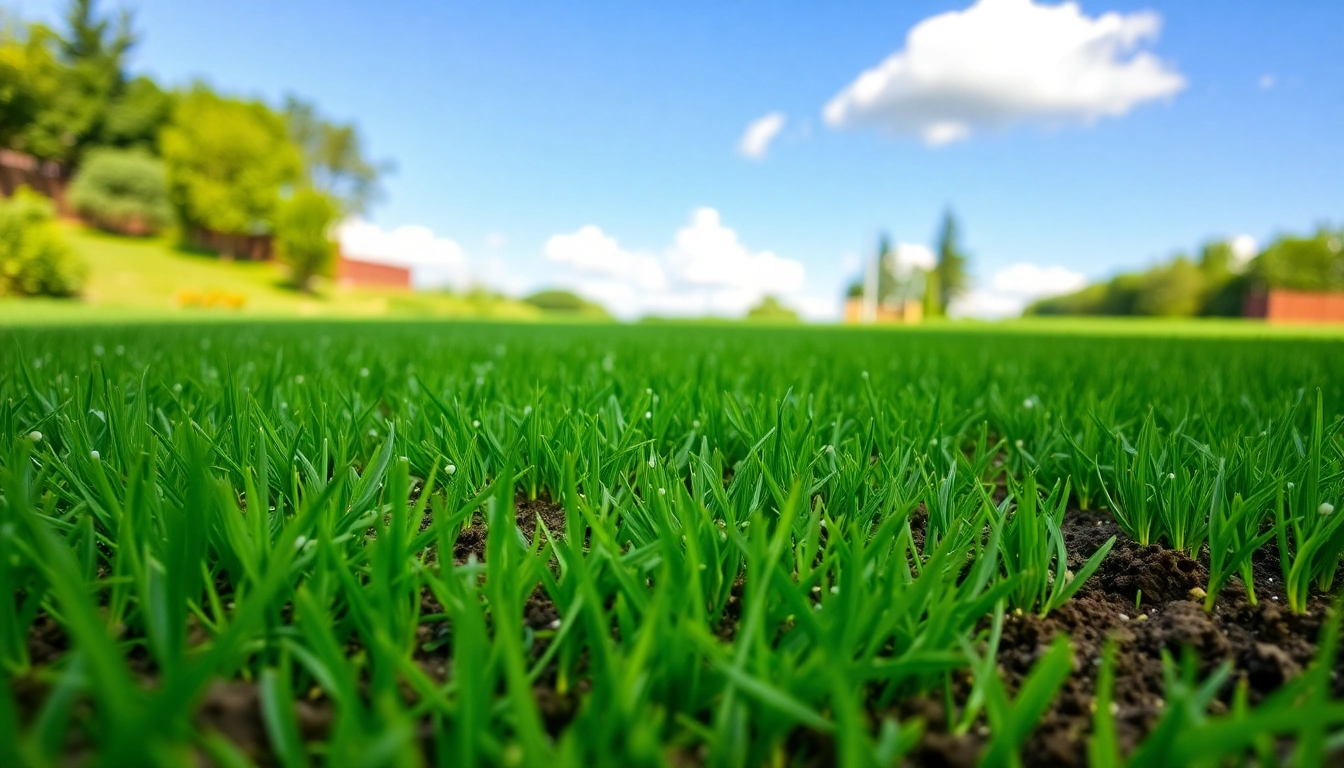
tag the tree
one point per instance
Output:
(138, 116)
(34, 259)
(1175, 290)
(333, 156)
(92, 53)
(303, 235)
(30, 78)
(227, 162)
(1303, 263)
(953, 278)
(123, 191)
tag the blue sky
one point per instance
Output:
(514, 123)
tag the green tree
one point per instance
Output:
(34, 259)
(333, 156)
(123, 191)
(138, 116)
(953, 277)
(1175, 290)
(30, 78)
(92, 52)
(1303, 263)
(303, 235)
(227, 162)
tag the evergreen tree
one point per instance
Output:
(953, 278)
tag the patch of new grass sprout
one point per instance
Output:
(757, 544)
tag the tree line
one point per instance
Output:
(146, 158)
(1213, 283)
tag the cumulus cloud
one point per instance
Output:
(755, 141)
(1012, 288)
(435, 262)
(1244, 248)
(706, 270)
(589, 251)
(1002, 62)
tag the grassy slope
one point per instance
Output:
(142, 279)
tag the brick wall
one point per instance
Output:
(1304, 307)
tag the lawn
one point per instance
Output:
(405, 543)
(149, 278)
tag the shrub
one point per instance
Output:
(122, 191)
(34, 259)
(771, 310)
(302, 235)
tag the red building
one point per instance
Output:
(355, 272)
(1278, 305)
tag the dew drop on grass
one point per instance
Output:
(35, 436)
(94, 455)
(451, 469)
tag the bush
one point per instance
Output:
(556, 301)
(771, 310)
(302, 235)
(122, 191)
(34, 259)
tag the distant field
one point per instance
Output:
(543, 545)
(146, 279)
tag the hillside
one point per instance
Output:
(153, 278)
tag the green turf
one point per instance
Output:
(732, 559)
(148, 279)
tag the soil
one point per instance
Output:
(1265, 643)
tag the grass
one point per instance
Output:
(740, 545)
(134, 279)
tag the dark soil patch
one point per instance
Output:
(1265, 643)
(471, 541)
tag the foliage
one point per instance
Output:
(303, 235)
(227, 162)
(953, 263)
(91, 77)
(1303, 263)
(565, 303)
(333, 156)
(135, 120)
(34, 258)
(1214, 286)
(29, 80)
(122, 191)
(769, 309)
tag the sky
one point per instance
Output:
(688, 158)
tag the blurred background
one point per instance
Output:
(786, 161)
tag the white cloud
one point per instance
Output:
(590, 251)
(1007, 61)
(434, 261)
(1012, 288)
(755, 141)
(705, 271)
(496, 240)
(1266, 82)
(907, 257)
(1244, 248)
